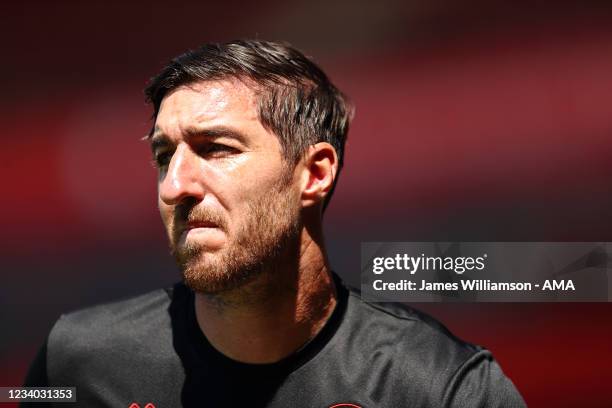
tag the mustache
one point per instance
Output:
(189, 212)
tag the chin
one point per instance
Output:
(202, 279)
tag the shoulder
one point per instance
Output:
(408, 349)
(106, 319)
(403, 327)
(126, 332)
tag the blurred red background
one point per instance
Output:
(476, 121)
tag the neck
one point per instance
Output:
(273, 316)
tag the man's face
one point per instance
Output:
(226, 195)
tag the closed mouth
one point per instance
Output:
(200, 224)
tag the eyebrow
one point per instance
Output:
(159, 139)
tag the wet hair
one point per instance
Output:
(296, 100)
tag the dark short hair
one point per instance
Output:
(297, 102)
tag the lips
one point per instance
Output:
(200, 224)
(205, 235)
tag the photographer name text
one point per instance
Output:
(473, 285)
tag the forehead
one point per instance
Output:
(211, 103)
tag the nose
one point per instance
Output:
(183, 178)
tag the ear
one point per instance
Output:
(318, 173)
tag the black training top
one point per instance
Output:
(150, 349)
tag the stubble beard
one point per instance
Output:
(269, 236)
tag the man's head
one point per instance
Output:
(248, 135)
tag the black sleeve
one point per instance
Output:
(480, 382)
(37, 377)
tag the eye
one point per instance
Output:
(218, 150)
(161, 159)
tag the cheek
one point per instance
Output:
(236, 184)
(242, 196)
(166, 212)
(253, 186)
